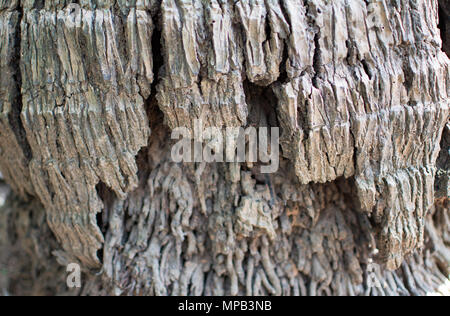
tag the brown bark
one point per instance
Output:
(90, 91)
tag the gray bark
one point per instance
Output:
(90, 91)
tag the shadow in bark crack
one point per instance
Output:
(262, 104)
(444, 24)
(107, 196)
(443, 167)
(149, 157)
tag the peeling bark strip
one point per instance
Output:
(86, 73)
(359, 88)
(203, 67)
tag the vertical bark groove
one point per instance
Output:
(15, 153)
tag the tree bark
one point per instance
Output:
(90, 91)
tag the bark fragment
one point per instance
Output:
(86, 74)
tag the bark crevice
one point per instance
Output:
(444, 25)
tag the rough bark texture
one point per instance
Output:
(90, 90)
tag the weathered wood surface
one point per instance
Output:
(360, 90)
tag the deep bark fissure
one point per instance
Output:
(444, 24)
(284, 77)
(15, 115)
(317, 60)
(262, 103)
(442, 182)
(154, 114)
(367, 69)
(106, 195)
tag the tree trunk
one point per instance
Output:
(91, 90)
